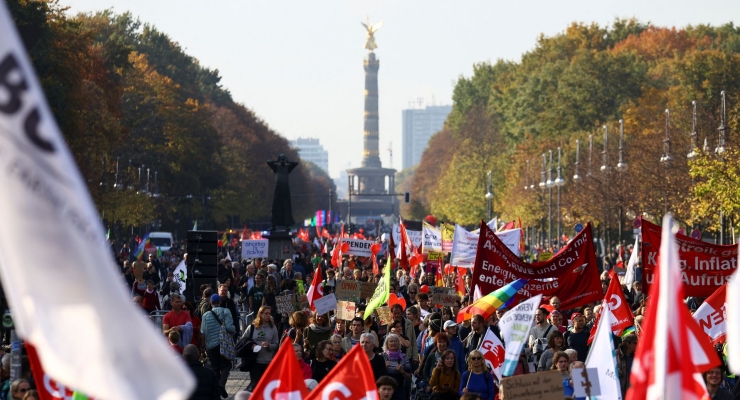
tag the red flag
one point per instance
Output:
(326, 247)
(711, 315)
(47, 387)
(325, 233)
(618, 306)
(353, 377)
(439, 278)
(507, 226)
(407, 248)
(460, 281)
(244, 233)
(668, 360)
(283, 378)
(316, 291)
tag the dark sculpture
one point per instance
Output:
(282, 212)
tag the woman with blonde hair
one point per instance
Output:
(265, 334)
(477, 379)
(298, 322)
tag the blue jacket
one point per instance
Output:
(481, 384)
(456, 345)
(211, 329)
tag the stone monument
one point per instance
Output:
(280, 241)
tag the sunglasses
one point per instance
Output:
(23, 390)
(475, 358)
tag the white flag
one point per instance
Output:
(180, 275)
(70, 305)
(493, 352)
(515, 326)
(629, 276)
(602, 357)
(733, 322)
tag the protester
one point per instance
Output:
(625, 358)
(178, 320)
(337, 349)
(211, 329)
(18, 389)
(445, 379)
(713, 379)
(356, 328)
(577, 338)
(568, 387)
(322, 364)
(197, 335)
(397, 365)
(255, 294)
(477, 379)
(441, 344)
(538, 335)
(229, 304)
(319, 329)
(386, 387)
(556, 319)
(377, 363)
(304, 367)
(265, 334)
(456, 344)
(554, 345)
(561, 362)
(207, 386)
(298, 322)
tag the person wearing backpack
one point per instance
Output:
(211, 329)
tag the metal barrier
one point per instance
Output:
(245, 318)
(157, 316)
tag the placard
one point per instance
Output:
(254, 248)
(367, 289)
(539, 386)
(586, 382)
(345, 310)
(325, 304)
(358, 247)
(385, 316)
(285, 304)
(347, 290)
(442, 296)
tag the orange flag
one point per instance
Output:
(283, 378)
(353, 377)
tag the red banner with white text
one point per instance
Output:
(705, 267)
(572, 274)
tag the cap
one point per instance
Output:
(575, 314)
(450, 324)
(435, 324)
(215, 298)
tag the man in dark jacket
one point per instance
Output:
(229, 304)
(207, 387)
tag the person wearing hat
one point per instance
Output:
(211, 329)
(450, 328)
(577, 339)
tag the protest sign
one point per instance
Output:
(540, 386)
(434, 260)
(367, 289)
(345, 310)
(705, 267)
(586, 382)
(544, 256)
(285, 303)
(357, 247)
(712, 315)
(465, 245)
(347, 290)
(493, 352)
(254, 248)
(384, 315)
(442, 296)
(414, 235)
(431, 238)
(572, 274)
(325, 304)
(448, 234)
(515, 326)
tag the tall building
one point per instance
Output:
(311, 150)
(418, 127)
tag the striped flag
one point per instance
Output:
(487, 305)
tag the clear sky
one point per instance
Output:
(298, 64)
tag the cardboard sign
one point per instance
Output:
(347, 290)
(358, 247)
(367, 289)
(385, 316)
(325, 304)
(586, 382)
(442, 296)
(544, 256)
(540, 386)
(254, 248)
(285, 304)
(345, 310)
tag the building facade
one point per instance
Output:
(418, 127)
(311, 150)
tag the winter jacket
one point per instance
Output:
(207, 387)
(211, 328)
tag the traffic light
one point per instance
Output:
(407, 198)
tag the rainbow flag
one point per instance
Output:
(627, 331)
(142, 245)
(488, 304)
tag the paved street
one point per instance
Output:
(237, 381)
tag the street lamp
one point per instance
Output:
(489, 197)
(550, 184)
(621, 165)
(694, 134)
(559, 182)
(606, 170)
(590, 152)
(576, 177)
(722, 128)
(666, 158)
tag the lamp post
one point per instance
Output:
(694, 134)
(621, 168)
(543, 185)
(559, 182)
(719, 151)
(577, 177)
(606, 169)
(489, 197)
(666, 158)
(550, 184)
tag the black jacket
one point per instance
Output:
(207, 387)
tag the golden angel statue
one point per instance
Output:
(371, 29)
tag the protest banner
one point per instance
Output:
(325, 304)
(712, 314)
(705, 267)
(540, 386)
(465, 245)
(572, 274)
(493, 353)
(442, 296)
(345, 310)
(358, 247)
(515, 326)
(367, 289)
(448, 235)
(385, 316)
(347, 290)
(254, 248)
(431, 238)
(285, 304)
(414, 235)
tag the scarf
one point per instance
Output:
(394, 355)
(320, 329)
